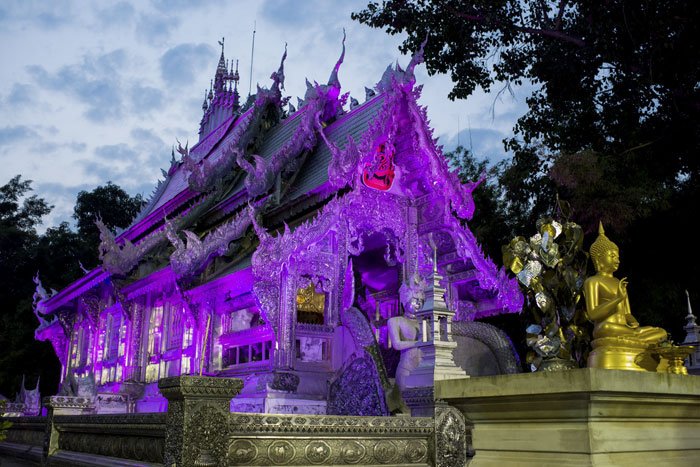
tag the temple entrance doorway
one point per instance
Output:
(378, 277)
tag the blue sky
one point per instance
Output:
(98, 91)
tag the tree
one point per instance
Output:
(110, 203)
(19, 216)
(489, 222)
(613, 122)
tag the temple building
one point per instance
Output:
(277, 249)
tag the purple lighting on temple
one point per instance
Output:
(275, 250)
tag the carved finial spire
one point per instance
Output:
(278, 76)
(692, 330)
(333, 79)
(601, 230)
(417, 58)
(205, 106)
(438, 290)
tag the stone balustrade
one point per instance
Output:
(199, 430)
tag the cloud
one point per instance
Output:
(155, 29)
(116, 15)
(156, 151)
(179, 64)
(179, 5)
(293, 13)
(119, 152)
(21, 94)
(45, 15)
(96, 82)
(52, 147)
(484, 143)
(143, 135)
(12, 134)
(145, 99)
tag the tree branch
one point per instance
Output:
(560, 15)
(539, 32)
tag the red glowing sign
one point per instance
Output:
(379, 174)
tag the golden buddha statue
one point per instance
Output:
(619, 341)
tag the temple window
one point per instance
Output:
(242, 341)
(175, 328)
(153, 349)
(112, 338)
(238, 320)
(81, 346)
(247, 353)
(187, 336)
(311, 305)
(312, 349)
(111, 348)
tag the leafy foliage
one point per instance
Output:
(489, 223)
(19, 216)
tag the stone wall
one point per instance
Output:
(199, 430)
(138, 437)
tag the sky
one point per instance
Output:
(94, 91)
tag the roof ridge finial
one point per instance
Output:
(333, 79)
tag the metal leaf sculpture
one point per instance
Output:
(551, 268)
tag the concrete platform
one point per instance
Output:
(584, 417)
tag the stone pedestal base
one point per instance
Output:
(584, 417)
(70, 405)
(197, 407)
(293, 404)
(108, 403)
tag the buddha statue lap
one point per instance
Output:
(619, 341)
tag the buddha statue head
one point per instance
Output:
(604, 253)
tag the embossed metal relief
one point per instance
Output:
(450, 437)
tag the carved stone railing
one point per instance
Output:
(199, 430)
(26, 430)
(253, 439)
(138, 437)
(25, 438)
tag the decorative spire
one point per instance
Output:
(438, 290)
(235, 77)
(333, 79)
(205, 106)
(221, 71)
(692, 330)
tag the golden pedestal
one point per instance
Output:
(584, 417)
(619, 353)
